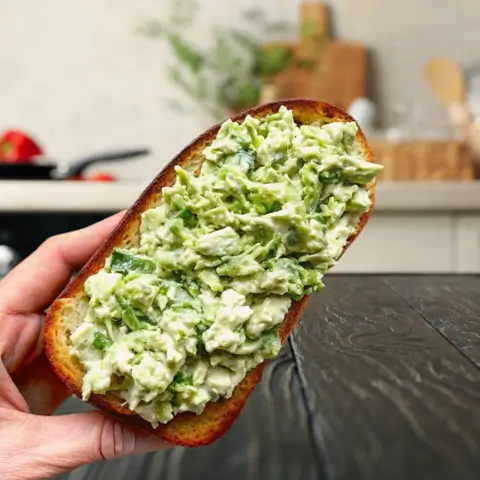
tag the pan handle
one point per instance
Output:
(79, 166)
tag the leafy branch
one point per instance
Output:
(228, 76)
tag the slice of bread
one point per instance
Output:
(69, 310)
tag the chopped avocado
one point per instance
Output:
(220, 259)
(219, 243)
(210, 279)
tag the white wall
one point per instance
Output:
(78, 76)
(402, 36)
(75, 74)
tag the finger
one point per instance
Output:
(21, 340)
(41, 388)
(10, 396)
(35, 283)
(63, 443)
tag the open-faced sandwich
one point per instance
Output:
(169, 324)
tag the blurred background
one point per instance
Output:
(97, 96)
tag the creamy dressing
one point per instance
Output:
(180, 320)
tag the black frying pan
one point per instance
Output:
(51, 171)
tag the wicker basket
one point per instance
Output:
(424, 161)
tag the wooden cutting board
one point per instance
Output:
(340, 72)
(339, 78)
(314, 26)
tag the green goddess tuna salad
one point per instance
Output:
(178, 321)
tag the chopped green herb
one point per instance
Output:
(200, 328)
(182, 379)
(146, 319)
(297, 297)
(329, 176)
(273, 207)
(192, 288)
(129, 317)
(185, 214)
(100, 341)
(125, 262)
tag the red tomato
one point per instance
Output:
(102, 177)
(18, 147)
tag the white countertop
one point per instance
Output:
(67, 196)
(50, 196)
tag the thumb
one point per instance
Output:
(65, 442)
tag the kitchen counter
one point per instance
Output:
(379, 381)
(94, 197)
(67, 196)
(415, 228)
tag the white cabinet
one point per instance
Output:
(428, 242)
(467, 243)
(403, 243)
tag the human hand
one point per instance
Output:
(35, 445)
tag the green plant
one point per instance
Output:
(228, 75)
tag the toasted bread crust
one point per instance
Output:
(185, 429)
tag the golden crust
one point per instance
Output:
(185, 429)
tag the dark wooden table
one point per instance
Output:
(380, 380)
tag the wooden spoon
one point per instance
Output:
(446, 80)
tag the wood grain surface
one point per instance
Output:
(380, 380)
(451, 304)
(391, 398)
